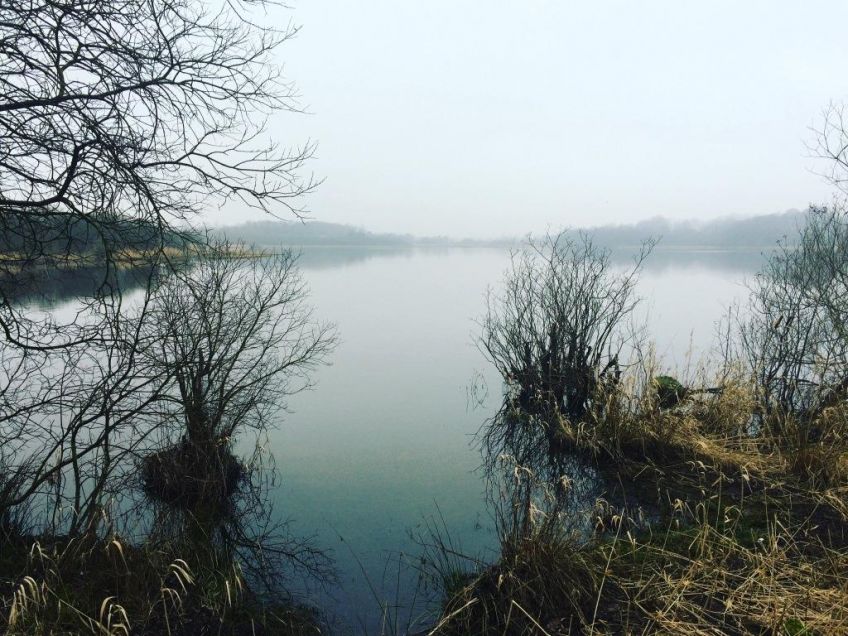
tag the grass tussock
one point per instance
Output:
(723, 433)
(111, 588)
(539, 584)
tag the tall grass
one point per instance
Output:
(111, 587)
(713, 520)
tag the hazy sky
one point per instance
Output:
(491, 118)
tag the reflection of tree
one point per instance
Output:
(235, 338)
(555, 334)
(121, 121)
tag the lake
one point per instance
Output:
(385, 439)
(384, 443)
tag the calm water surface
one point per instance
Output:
(384, 441)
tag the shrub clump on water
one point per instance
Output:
(191, 475)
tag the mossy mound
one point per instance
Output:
(191, 476)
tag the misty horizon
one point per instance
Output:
(751, 230)
(444, 119)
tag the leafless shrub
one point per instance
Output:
(236, 336)
(556, 333)
(795, 335)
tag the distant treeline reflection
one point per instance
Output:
(51, 286)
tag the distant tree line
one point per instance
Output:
(757, 232)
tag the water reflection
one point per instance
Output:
(745, 261)
(46, 288)
(50, 287)
(385, 437)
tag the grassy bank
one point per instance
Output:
(706, 524)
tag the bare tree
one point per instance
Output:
(830, 144)
(120, 120)
(237, 337)
(555, 333)
(795, 335)
(215, 351)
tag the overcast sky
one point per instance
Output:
(494, 118)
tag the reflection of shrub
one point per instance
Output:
(193, 476)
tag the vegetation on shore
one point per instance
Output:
(108, 586)
(756, 232)
(697, 526)
(639, 505)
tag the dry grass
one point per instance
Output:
(112, 588)
(719, 526)
(779, 581)
(538, 582)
